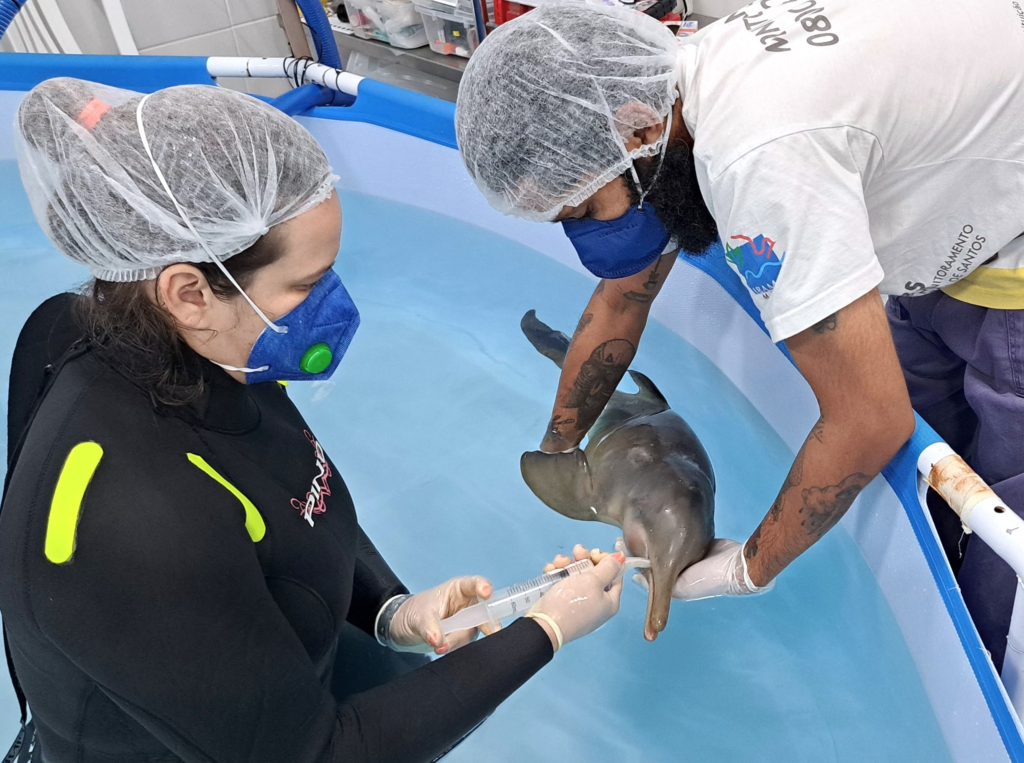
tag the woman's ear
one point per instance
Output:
(632, 114)
(184, 292)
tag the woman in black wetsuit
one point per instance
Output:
(178, 555)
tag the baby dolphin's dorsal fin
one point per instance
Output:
(562, 481)
(653, 400)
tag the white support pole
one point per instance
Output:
(119, 28)
(298, 70)
(41, 36)
(32, 35)
(61, 32)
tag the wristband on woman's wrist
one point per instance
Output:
(382, 625)
(550, 621)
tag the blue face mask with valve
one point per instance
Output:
(308, 343)
(620, 247)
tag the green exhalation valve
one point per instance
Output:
(316, 358)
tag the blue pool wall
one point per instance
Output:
(400, 146)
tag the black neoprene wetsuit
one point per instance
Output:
(177, 630)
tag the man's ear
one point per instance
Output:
(638, 124)
(185, 293)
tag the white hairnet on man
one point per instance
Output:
(548, 98)
(236, 166)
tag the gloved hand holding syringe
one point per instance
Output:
(516, 600)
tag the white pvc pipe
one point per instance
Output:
(981, 511)
(119, 28)
(286, 68)
(1013, 663)
(61, 32)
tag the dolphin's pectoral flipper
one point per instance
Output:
(562, 481)
(548, 342)
(654, 401)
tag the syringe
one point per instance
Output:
(517, 599)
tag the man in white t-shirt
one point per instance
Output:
(839, 149)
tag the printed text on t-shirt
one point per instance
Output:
(807, 13)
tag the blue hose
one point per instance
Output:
(9, 9)
(323, 35)
(307, 97)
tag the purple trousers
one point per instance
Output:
(964, 367)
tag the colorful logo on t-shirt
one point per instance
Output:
(756, 260)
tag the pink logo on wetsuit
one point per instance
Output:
(314, 502)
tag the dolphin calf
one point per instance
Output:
(643, 470)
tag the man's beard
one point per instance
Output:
(675, 195)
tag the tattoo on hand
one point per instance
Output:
(597, 379)
(826, 324)
(584, 322)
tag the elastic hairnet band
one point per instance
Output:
(188, 222)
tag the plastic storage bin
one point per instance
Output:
(451, 28)
(395, 21)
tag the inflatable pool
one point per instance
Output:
(863, 652)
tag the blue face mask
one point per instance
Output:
(307, 343)
(620, 247)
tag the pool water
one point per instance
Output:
(426, 418)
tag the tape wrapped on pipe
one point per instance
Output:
(980, 510)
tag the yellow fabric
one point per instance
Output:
(999, 288)
(66, 505)
(253, 520)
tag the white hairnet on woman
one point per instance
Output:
(547, 99)
(236, 166)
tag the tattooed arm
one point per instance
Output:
(602, 348)
(850, 362)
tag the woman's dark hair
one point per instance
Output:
(140, 337)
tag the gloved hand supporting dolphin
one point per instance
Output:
(643, 470)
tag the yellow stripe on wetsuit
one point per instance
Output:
(66, 505)
(253, 521)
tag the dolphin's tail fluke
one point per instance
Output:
(548, 342)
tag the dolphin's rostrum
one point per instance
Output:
(643, 470)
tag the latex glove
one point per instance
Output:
(723, 572)
(579, 553)
(582, 603)
(417, 623)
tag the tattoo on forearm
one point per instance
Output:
(824, 506)
(826, 324)
(793, 480)
(638, 296)
(652, 280)
(600, 287)
(597, 379)
(584, 322)
(818, 432)
(558, 426)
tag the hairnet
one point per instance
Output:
(236, 166)
(547, 99)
